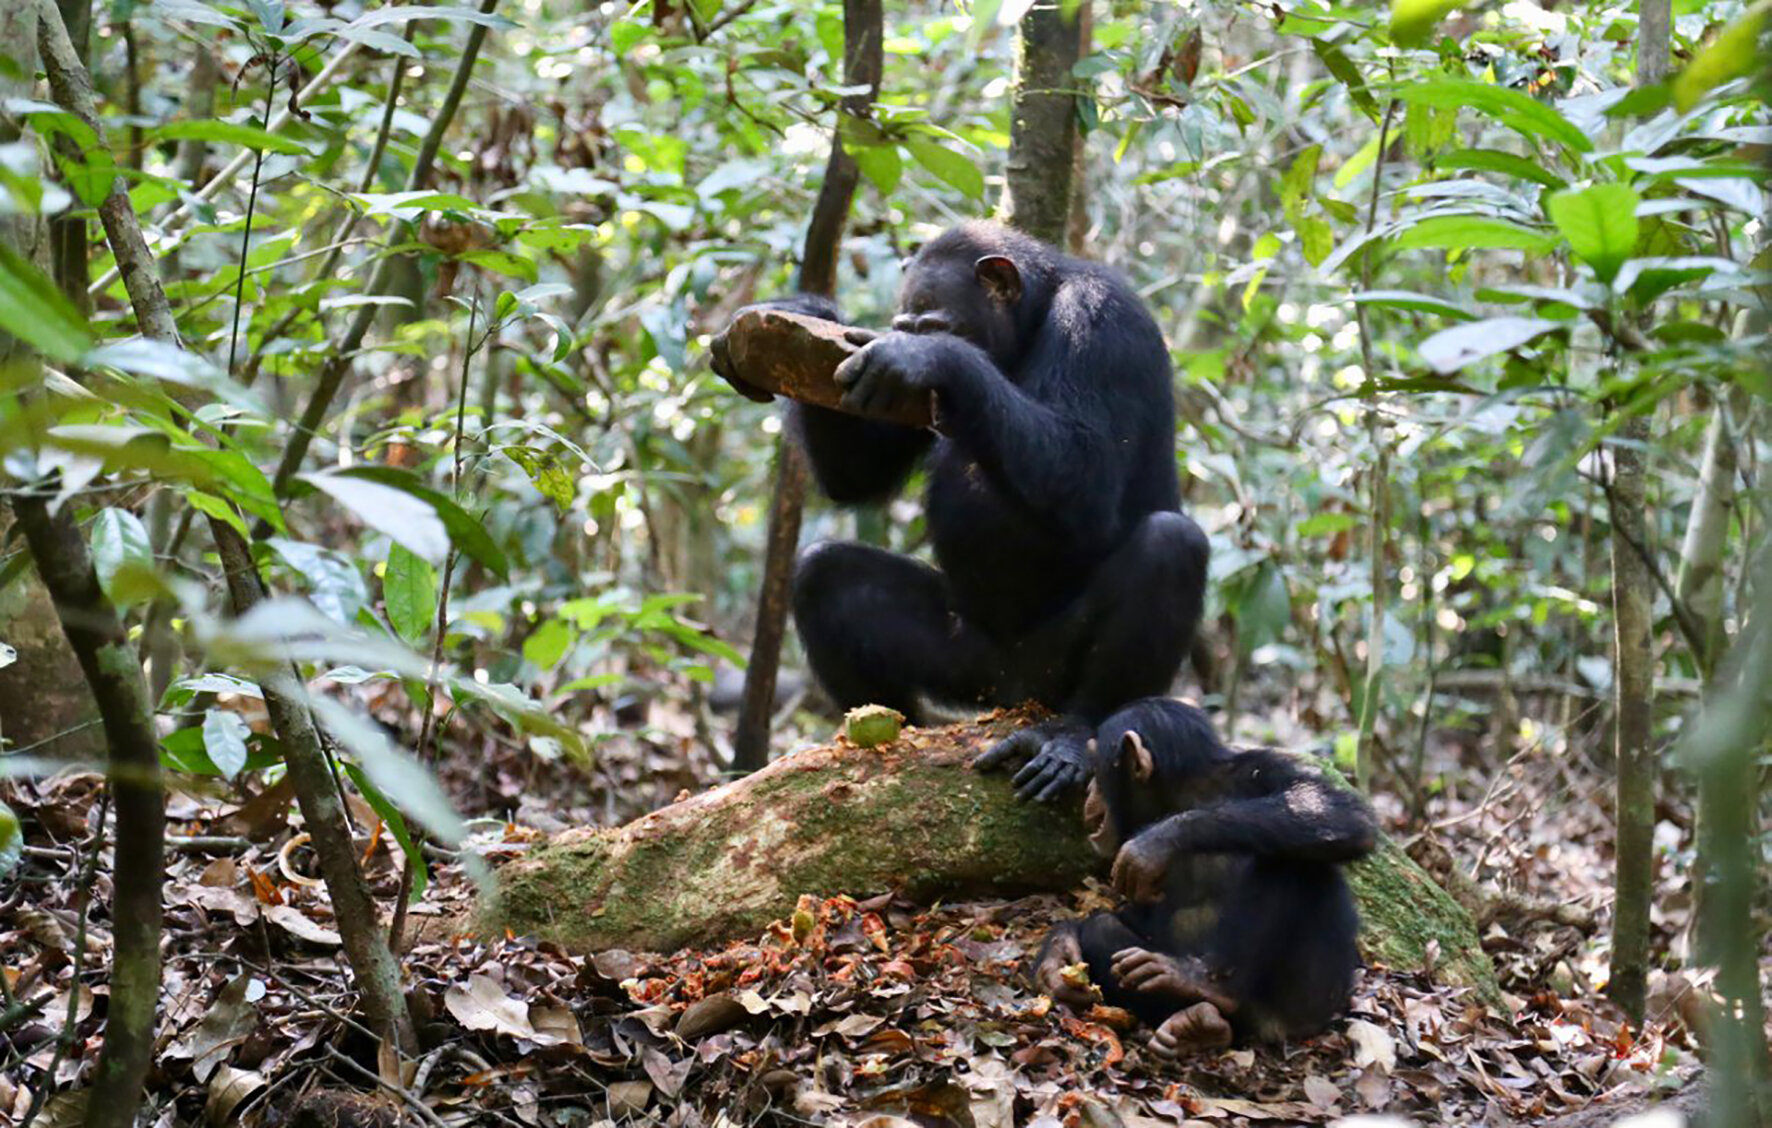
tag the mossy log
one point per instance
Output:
(795, 356)
(912, 816)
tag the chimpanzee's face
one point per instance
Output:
(1098, 821)
(946, 295)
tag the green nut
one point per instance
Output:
(872, 725)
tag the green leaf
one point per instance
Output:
(548, 643)
(1734, 53)
(1452, 349)
(409, 592)
(467, 533)
(881, 164)
(1264, 610)
(1600, 223)
(119, 542)
(396, 824)
(503, 262)
(405, 519)
(230, 133)
(625, 35)
(1515, 109)
(224, 740)
(1315, 238)
(1326, 524)
(33, 309)
(1494, 160)
(952, 168)
(211, 506)
(12, 840)
(1470, 232)
(406, 13)
(1412, 21)
(334, 584)
(1419, 303)
(395, 773)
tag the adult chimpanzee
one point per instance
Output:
(1067, 573)
(1239, 924)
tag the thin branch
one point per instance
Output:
(226, 176)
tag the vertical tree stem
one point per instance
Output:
(863, 65)
(113, 670)
(1632, 628)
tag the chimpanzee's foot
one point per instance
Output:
(1199, 1027)
(1058, 758)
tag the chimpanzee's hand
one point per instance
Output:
(891, 370)
(721, 355)
(1059, 759)
(1141, 866)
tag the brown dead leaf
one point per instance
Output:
(710, 1016)
(295, 922)
(628, 1098)
(1373, 1045)
(227, 1088)
(1321, 1092)
(483, 1004)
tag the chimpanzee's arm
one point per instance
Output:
(1276, 807)
(855, 460)
(1062, 437)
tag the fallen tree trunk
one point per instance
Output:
(911, 816)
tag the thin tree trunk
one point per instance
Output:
(113, 670)
(378, 975)
(1632, 617)
(1044, 167)
(863, 64)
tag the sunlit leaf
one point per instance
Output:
(1600, 223)
(119, 541)
(405, 519)
(1732, 54)
(224, 739)
(409, 592)
(953, 168)
(1515, 109)
(1452, 349)
(230, 133)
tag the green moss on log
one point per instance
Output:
(911, 816)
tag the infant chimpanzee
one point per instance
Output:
(1238, 923)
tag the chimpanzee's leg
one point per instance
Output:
(880, 629)
(1124, 638)
(1138, 616)
(1094, 940)
(1285, 942)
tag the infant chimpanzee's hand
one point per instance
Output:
(1141, 866)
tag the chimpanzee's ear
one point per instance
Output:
(1138, 756)
(1000, 277)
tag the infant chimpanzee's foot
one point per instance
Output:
(1058, 753)
(1199, 1027)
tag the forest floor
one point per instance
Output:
(875, 1012)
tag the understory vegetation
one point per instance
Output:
(369, 513)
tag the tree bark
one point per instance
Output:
(863, 65)
(911, 816)
(1044, 172)
(1632, 615)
